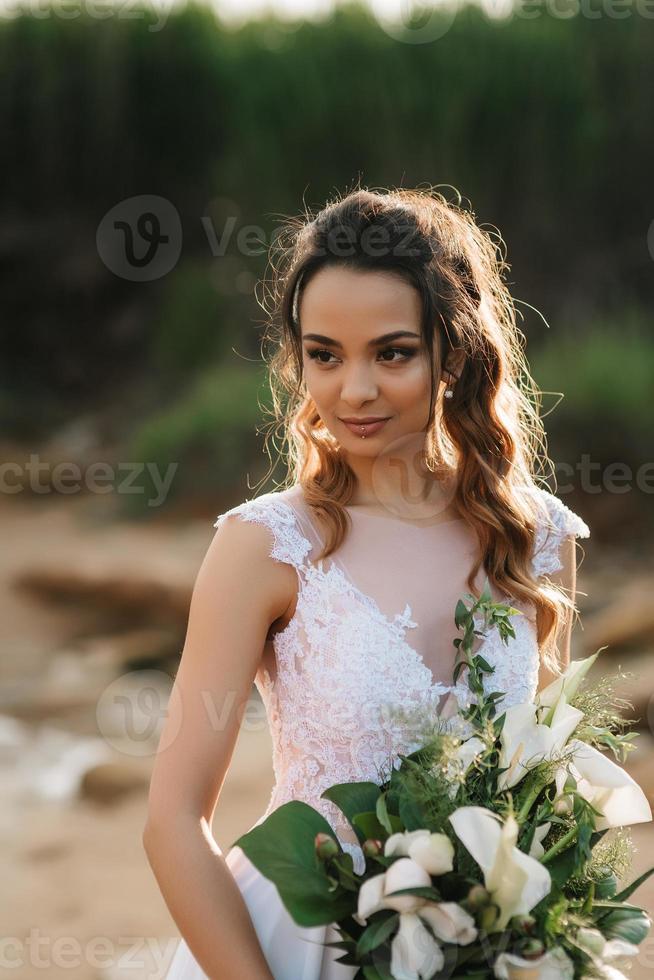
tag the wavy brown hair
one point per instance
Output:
(489, 434)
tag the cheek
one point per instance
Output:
(413, 385)
(321, 385)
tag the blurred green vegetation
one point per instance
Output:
(543, 123)
(206, 432)
(607, 378)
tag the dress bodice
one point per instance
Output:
(350, 684)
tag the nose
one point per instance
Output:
(359, 385)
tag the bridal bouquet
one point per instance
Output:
(494, 850)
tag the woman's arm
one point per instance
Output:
(565, 579)
(238, 593)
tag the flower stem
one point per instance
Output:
(530, 799)
(560, 845)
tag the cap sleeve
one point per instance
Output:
(555, 523)
(288, 544)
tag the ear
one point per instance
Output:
(454, 362)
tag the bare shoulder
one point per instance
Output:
(239, 559)
(240, 590)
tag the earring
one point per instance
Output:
(449, 392)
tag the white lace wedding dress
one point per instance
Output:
(372, 631)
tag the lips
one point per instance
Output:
(365, 428)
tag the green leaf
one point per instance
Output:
(630, 889)
(412, 815)
(498, 725)
(367, 826)
(567, 863)
(377, 933)
(282, 849)
(376, 973)
(422, 891)
(391, 823)
(353, 798)
(629, 923)
(460, 613)
(606, 887)
(382, 814)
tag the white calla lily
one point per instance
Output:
(404, 873)
(399, 844)
(374, 892)
(515, 880)
(553, 965)
(433, 852)
(450, 922)
(605, 785)
(567, 684)
(537, 850)
(415, 954)
(371, 898)
(605, 950)
(467, 752)
(525, 742)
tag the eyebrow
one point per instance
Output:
(375, 342)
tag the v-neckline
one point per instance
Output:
(335, 569)
(394, 625)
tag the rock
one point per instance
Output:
(110, 782)
(51, 764)
(161, 595)
(139, 646)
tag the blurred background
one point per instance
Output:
(149, 153)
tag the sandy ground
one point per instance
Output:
(78, 892)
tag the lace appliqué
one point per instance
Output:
(289, 545)
(558, 522)
(348, 684)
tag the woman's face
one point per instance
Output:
(364, 356)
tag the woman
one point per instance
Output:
(401, 389)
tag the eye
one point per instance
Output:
(406, 352)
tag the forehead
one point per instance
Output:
(337, 296)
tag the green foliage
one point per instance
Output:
(172, 103)
(282, 849)
(353, 799)
(208, 431)
(193, 328)
(583, 867)
(604, 371)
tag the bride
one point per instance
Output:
(412, 429)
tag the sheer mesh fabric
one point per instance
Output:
(369, 648)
